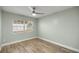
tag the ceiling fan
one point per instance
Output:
(34, 13)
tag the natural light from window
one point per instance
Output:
(22, 26)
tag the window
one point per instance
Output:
(22, 26)
(18, 27)
(29, 26)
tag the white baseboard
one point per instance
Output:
(65, 46)
(17, 41)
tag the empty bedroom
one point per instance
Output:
(39, 29)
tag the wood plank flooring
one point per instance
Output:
(34, 46)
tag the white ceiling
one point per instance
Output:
(24, 10)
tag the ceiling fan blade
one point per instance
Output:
(39, 13)
(31, 8)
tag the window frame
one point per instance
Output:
(24, 26)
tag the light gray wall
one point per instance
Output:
(0, 26)
(8, 35)
(62, 27)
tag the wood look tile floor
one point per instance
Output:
(34, 46)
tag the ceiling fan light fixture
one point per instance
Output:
(34, 14)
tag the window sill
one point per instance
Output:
(28, 31)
